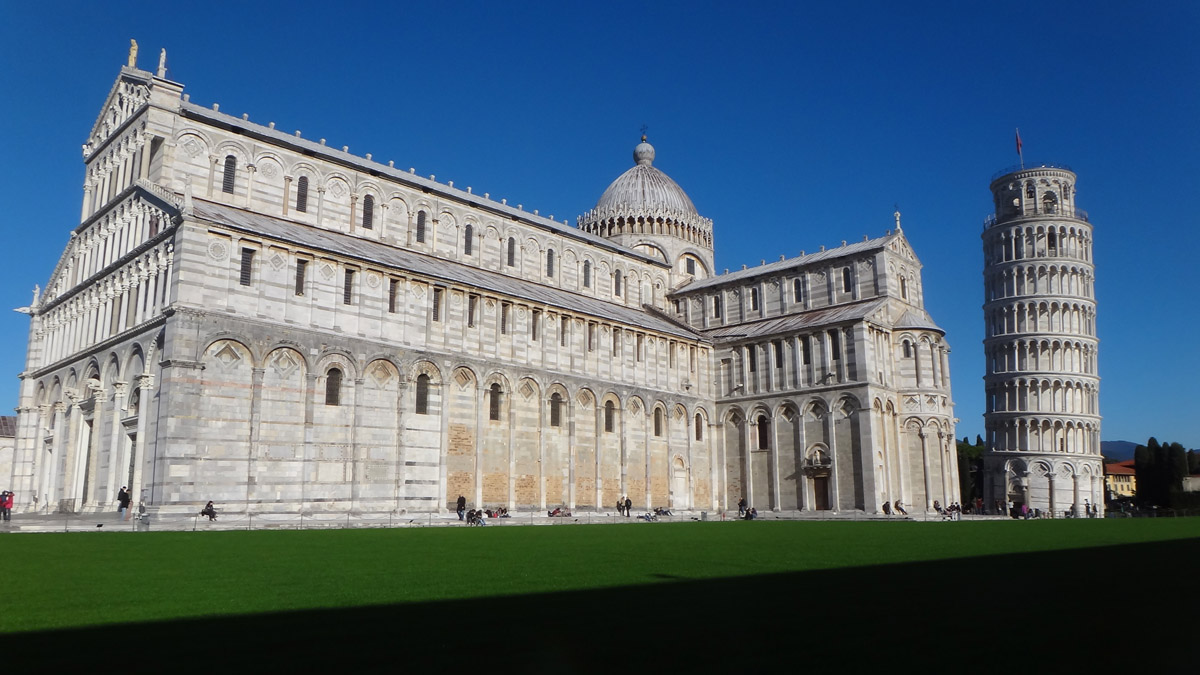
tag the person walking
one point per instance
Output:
(628, 506)
(620, 506)
(122, 503)
(462, 506)
(741, 507)
(6, 505)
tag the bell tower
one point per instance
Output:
(1042, 415)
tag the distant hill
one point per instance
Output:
(1117, 450)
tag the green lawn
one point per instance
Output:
(55, 581)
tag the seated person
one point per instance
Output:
(210, 511)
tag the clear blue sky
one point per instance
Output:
(791, 125)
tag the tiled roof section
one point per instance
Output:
(8, 426)
(797, 322)
(404, 177)
(917, 319)
(781, 265)
(436, 268)
(1119, 469)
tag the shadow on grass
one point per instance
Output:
(1012, 613)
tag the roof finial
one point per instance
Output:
(132, 53)
(897, 216)
(162, 63)
(644, 130)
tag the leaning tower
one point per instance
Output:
(1042, 414)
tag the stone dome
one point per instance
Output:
(644, 189)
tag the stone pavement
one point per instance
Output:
(108, 521)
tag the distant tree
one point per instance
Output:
(1161, 468)
(1193, 460)
(970, 469)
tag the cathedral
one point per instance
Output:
(251, 317)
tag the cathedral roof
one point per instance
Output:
(436, 268)
(787, 263)
(645, 191)
(917, 319)
(408, 178)
(790, 323)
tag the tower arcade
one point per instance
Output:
(1042, 415)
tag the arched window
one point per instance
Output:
(903, 288)
(302, 194)
(699, 427)
(658, 422)
(556, 410)
(468, 239)
(797, 296)
(754, 300)
(907, 349)
(512, 251)
(609, 413)
(230, 173)
(846, 282)
(617, 283)
(368, 217)
(420, 227)
(691, 266)
(549, 262)
(333, 387)
(764, 433)
(422, 403)
(494, 401)
(587, 273)
(716, 306)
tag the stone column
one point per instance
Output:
(571, 404)
(443, 388)
(250, 171)
(774, 463)
(256, 384)
(925, 463)
(310, 391)
(624, 484)
(1075, 508)
(212, 174)
(145, 385)
(355, 466)
(541, 463)
(512, 453)
(747, 466)
(596, 454)
(401, 415)
(287, 193)
(479, 431)
(646, 425)
(834, 486)
(117, 461)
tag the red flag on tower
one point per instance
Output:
(1019, 145)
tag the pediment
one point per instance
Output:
(128, 95)
(899, 246)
